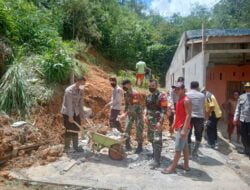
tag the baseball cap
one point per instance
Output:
(178, 85)
(247, 85)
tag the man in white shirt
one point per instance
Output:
(115, 104)
(242, 113)
(197, 120)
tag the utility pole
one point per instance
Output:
(203, 36)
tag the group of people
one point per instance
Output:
(192, 110)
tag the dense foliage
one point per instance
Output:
(125, 31)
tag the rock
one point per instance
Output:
(21, 153)
(5, 174)
(51, 159)
(114, 134)
(19, 124)
(44, 153)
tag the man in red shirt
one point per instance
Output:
(182, 128)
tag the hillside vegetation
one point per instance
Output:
(40, 38)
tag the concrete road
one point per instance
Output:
(213, 170)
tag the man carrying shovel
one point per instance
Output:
(115, 104)
(72, 110)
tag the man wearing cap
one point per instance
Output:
(173, 100)
(242, 113)
(182, 128)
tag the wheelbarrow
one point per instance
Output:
(116, 151)
(100, 141)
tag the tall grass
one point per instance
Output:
(13, 91)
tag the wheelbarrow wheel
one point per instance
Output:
(116, 152)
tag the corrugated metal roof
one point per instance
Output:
(196, 34)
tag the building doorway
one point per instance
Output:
(232, 86)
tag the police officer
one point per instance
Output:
(134, 113)
(72, 110)
(153, 117)
(242, 113)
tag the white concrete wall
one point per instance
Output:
(176, 64)
(194, 70)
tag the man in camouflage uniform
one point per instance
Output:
(154, 115)
(134, 113)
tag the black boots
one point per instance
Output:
(128, 146)
(157, 160)
(67, 141)
(157, 156)
(139, 148)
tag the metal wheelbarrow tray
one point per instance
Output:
(115, 146)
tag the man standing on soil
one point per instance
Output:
(140, 66)
(115, 104)
(213, 114)
(242, 113)
(231, 107)
(154, 116)
(72, 110)
(134, 113)
(182, 128)
(197, 120)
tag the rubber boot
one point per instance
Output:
(157, 158)
(128, 146)
(139, 148)
(75, 144)
(195, 151)
(67, 140)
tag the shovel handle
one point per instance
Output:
(77, 125)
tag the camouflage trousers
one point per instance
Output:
(155, 137)
(135, 116)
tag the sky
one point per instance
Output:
(169, 7)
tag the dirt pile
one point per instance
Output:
(24, 145)
(47, 129)
(98, 94)
(46, 134)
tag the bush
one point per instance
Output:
(13, 91)
(56, 66)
